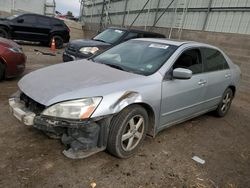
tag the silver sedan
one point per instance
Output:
(113, 100)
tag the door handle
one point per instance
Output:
(227, 75)
(202, 82)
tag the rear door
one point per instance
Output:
(24, 27)
(43, 28)
(218, 75)
(183, 98)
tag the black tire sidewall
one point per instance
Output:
(6, 33)
(122, 123)
(219, 112)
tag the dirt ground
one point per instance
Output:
(28, 158)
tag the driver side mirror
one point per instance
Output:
(20, 20)
(181, 73)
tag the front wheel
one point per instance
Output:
(127, 131)
(225, 103)
(4, 33)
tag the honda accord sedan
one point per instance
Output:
(12, 59)
(113, 100)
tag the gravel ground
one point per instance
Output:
(30, 159)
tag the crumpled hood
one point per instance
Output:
(87, 43)
(75, 80)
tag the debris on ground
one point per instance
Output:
(93, 185)
(198, 160)
(44, 53)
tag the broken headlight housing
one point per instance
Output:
(75, 109)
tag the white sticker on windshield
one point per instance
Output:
(149, 66)
(118, 31)
(162, 46)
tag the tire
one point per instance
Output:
(131, 124)
(4, 33)
(58, 41)
(2, 71)
(225, 103)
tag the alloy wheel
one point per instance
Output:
(133, 133)
(226, 102)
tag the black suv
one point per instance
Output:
(34, 27)
(80, 49)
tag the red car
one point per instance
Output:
(12, 59)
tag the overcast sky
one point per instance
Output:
(64, 6)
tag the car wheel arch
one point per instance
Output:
(55, 34)
(7, 29)
(151, 116)
(233, 88)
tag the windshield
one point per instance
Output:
(110, 35)
(141, 57)
(12, 17)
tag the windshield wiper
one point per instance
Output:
(115, 66)
(100, 40)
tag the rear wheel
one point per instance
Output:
(4, 33)
(127, 131)
(225, 103)
(58, 41)
(2, 70)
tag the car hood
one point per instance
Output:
(87, 43)
(8, 43)
(76, 80)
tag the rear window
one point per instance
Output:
(56, 22)
(214, 60)
(110, 35)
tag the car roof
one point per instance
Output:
(137, 30)
(174, 42)
(33, 14)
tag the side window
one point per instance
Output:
(56, 22)
(28, 19)
(131, 35)
(190, 59)
(43, 21)
(214, 60)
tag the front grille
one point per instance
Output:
(71, 49)
(32, 105)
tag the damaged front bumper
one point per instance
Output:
(82, 138)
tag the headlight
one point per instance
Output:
(16, 50)
(75, 109)
(87, 50)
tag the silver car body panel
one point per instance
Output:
(172, 101)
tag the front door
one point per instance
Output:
(183, 98)
(24, 27)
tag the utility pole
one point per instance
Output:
(102, 14)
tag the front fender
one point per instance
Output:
(114, 103)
